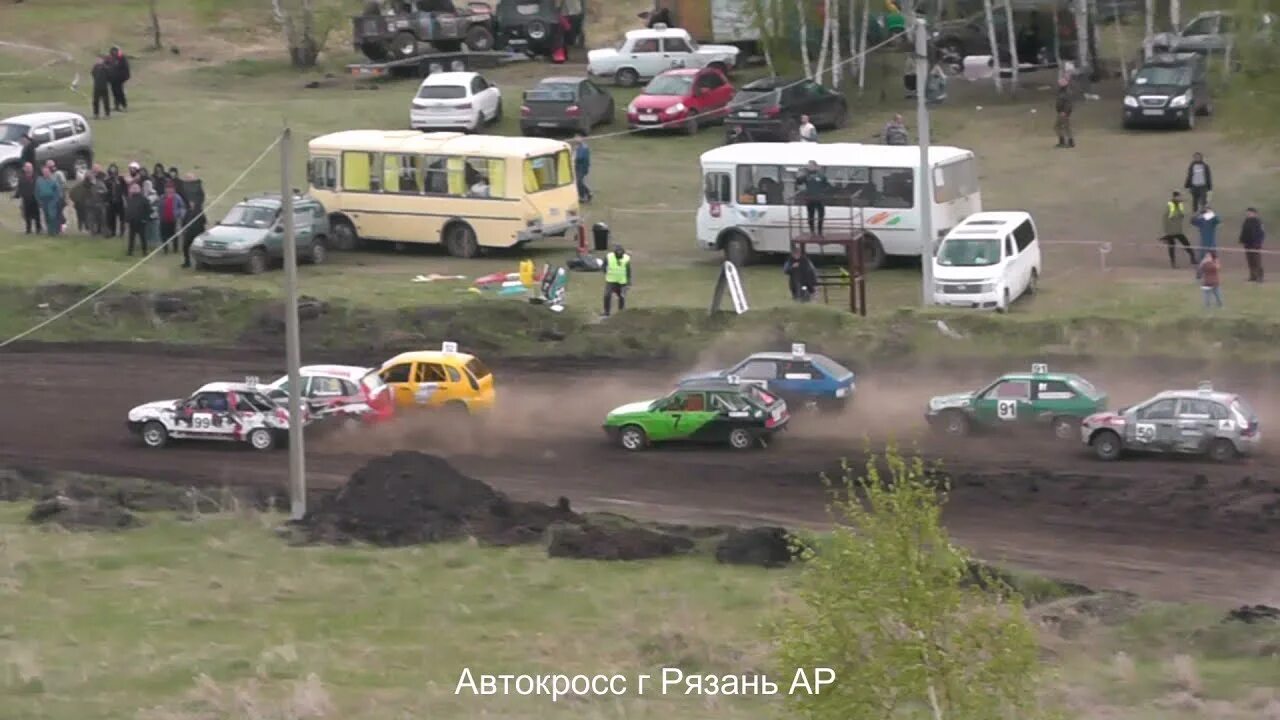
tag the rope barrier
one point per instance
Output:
(164, 244)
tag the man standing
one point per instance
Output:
(808, 133)
(137, 211)
(117, 192)
(194, 197)
(895, 132)
(118, 64)
(1199, 182)
(582, 166)
(48, 196)
(802, 277)
(1174, 213)
(813, 188)
(59, 179)
(28, 151)
(1251, 237)
(101, 75)
(1207, 222)
(172, 209)
(1063, 106)
(26, 194)
(617, 278)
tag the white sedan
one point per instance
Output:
(648, 53)
(455, 101)
(229, 412)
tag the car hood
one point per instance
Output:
(155, 406)
(629, 408)
(1171, 90)
(943, 402)
(656, 102)
(234, 235)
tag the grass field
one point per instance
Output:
(215, 105)
(215, 617)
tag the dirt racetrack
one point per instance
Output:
(1169, 529)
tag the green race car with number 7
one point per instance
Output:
(713, 411)
(1055, 401)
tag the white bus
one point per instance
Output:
(748, 189)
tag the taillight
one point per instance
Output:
(524, 111)
(773, 111)
(573, 111)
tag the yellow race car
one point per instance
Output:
(444, 378)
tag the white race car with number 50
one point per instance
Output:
(230, 412)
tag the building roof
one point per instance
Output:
(413, 142)
(800, 153)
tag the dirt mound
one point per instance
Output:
(409, 498)
(607, 542)
(82, 515)
(1254, 614)
(763, 546)
(133, 494)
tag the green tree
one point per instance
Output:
(306, 25)
(1252, 93)
(890, 605)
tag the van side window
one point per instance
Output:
(1008, 246)
(1024, 234)
(716, 187)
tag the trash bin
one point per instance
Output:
(600, 236)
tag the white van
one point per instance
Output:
(987, 261)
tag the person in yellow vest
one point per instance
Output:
(617, 278)
(1174, 214)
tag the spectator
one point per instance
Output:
(48, 195)
(117, 192)
(119, 75)
(172, 210)
(79, 196)
(101, 75)
(813, 188)
(99, 201)
(1207, 221)
(1199, 182)
(60, 178)
(159, 178)
(26, 194)
(28, 154)
(895, 132)
(617, 278)
(1251, 237)
(808, 133)
(137, 213)
(1210, 278)
(195, 214)
(582, 166)
(1174, 214)
(802, 277)
(573, 10)
(1063, 106)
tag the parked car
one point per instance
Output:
(251, 235)
(988, 261)
(1212, 32)
(398, 29)
(684, 99)
(63, 137)
(957, 39)
(455, 100)
(648, 53)
(529, 25)
(1218, 425)
(770, 109)
(572, 104)
(1168, 90)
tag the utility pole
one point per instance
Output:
(925, 183)
(293, 345)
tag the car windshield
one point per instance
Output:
(477, 368)
(12, 132)
(553, 92)
(969, 252)
(441, 92)
(669, 85)
(1178, 75)
(249, 216)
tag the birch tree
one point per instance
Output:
(155, 24)
(992, 44)
(1175, 15)
(306, 25)
(1150, 28)
(1013, 46)
(802, 11)
(862, 44)
(825, 46)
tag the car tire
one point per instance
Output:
(1222, 450)
(1064, 428)
(154, 435)
(257, 262)
(405, 45)
(873, 256)
(497, 114)
(1033, 285)
(375, 51)
(1005, 302)
(633, 438)
(841, 118)
(741, 439)
(344, 235)
(9, 176)
(198, 265)
(690, 126)
(1190, 122)
(457, 408)
(536, 30)
(261, 439)
(1106, 445)
(460, 241)
(955, 423)
(626, 77)
(478, 39)
(738, 250)
(319, 251)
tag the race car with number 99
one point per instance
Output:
(222, 411)
(1219, 425)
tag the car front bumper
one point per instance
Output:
(540, 232)
(977, 301)
(565, 124)
(135, 426)
(1157, 117)
(219, 257)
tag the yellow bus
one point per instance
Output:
(466, 191)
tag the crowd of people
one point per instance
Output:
(149, 208)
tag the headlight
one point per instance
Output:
(675, 109)
(1130, 101)
(1181, 100)
(987, 287)
(841, 392)
(631, 108)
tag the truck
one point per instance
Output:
(725, 22)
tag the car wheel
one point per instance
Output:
(626, 77)
(457, 408)
(690, 126)
(741, 439)
(633, 438)
(198, 265)
(955, 423)
(479, 39)
(1190, 122)
(154, 435)
(460, 241)
(319, 253)
(1003, 307)
(257, 262)
(1106, 445)
(405, 45)
(841, 118)
(1064, 428)
(536, 30)
(9, 176)
(497, 113)
(738, 250)
(344, 235)
(1222, 450)
(873, 256)
(375, 51)
(261, 439)
(1033, 285)
(1126, 124)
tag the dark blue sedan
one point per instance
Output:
(801, 378)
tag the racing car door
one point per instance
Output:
(430, 384)
(1008, 401)
(688, 414)
(1197, 424)
(397, 377)
(205, 414)
(1155, 426)
(795, 378)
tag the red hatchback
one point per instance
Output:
(684, 99)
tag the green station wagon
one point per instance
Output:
(741, 415)
(1057, 401)
(251, 236)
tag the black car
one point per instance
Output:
(1168, 90)
(565, 104)
(529, 25)
(770, 109)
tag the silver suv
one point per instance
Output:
(1186, 422)
(1213, 32)
(63, 137)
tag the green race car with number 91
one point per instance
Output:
(1056, 401)
(740, 414)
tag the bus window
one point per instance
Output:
(716, 187)
(547, 171)
(401, 174)
(322, 173)
(959, 179)
(893, 188)
(435, 179)
(357, 171)
(486, 177)
(760, 185)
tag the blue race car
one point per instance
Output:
(800, 378)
